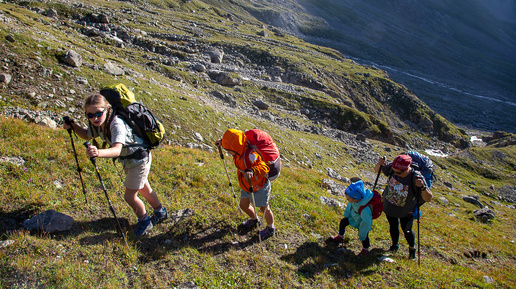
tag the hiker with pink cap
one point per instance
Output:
(405, 186)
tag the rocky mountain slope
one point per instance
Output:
(457, 56)
(191, 50)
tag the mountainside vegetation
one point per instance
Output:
(204, 67)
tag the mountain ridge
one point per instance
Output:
(467, 47)
(344, 92)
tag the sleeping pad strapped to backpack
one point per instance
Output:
(143, 122)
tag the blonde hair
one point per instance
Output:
(96, 99)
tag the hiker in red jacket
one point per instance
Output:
(251, 169)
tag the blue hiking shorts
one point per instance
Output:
(261, 197)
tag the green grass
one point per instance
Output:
(206, 248)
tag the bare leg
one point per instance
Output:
(150, 195)
(245, 205)
(267, 213)
(131, 197)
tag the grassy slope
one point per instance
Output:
(202, 248)
(206, 248)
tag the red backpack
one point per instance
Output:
(376, 205)
(261, 142)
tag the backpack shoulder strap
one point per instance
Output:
(245, 157)
(417, 190)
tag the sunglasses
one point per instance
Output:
(97, 114)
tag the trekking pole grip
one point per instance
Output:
(220, 152)
(87, 144)
(69, 122)
(250, 185)
(378, 174)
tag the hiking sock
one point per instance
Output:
(161, 209)
(144, 218)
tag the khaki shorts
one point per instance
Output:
(136, 177)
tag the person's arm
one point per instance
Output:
(379, 164)
(426, 194)
(259, 167)
(112, 152)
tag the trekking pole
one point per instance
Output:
(227, 174)
(418, 216)
(87, 144)
(377, 176)
(255, 211)
(68, 121)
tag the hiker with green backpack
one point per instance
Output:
(405, 191)
(131, 152)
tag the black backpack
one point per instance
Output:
(143, 122)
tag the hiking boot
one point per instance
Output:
(336, 239)
(142, 227)
(267, 232)
(159, 217)
(251, 223)
(364, 252)
(412, 253)
(393, 249)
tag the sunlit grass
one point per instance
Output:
(206, 248)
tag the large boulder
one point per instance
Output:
(49, 221)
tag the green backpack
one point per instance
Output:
(143, 122)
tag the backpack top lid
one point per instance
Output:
(118, 95)
(423, 162)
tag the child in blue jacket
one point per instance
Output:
(357, 196)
